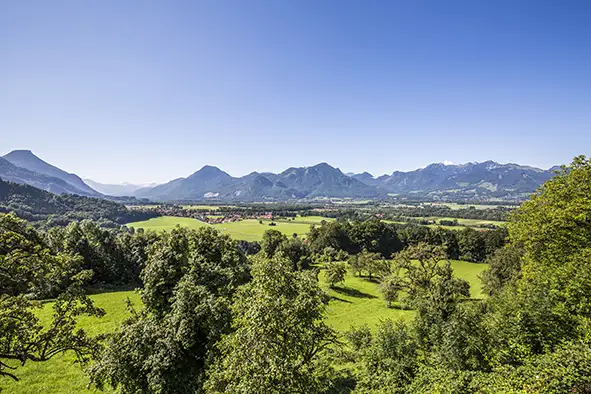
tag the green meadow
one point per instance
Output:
(248, 230)
(353, 303)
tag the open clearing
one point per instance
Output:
(248, 230)
(355, 302)
(252, 230)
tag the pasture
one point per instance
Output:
(358, 301)
(247, 230)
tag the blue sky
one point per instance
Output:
(145, 91)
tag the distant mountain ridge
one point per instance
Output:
(471, 181)
(209, 182)
(438, 181)
(40, 172)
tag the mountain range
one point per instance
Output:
(471, 181)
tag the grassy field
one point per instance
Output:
(248, 230)
(358, 301)
(60, 374)
(252, 230)
(355, 302)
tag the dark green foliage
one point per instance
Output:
(189, 282)
(388, 359)
(271, 241)
(116, 257)
(375, 236)
(296, 251)
(503, 266)
(280, 334)
(47, 210)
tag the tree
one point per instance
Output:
(390, 288)
(28, 270)
(189, 282)
(271, 241)
(472, 245)
(279, 334)
(427, 279)
(296, 251)
(375, 236)
(372, 263)
(503, 266)
(335, 273)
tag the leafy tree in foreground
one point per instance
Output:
(189, 281)
(279, 336)
(28, 269)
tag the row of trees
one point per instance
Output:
(385, 239)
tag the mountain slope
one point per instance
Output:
(469, 181)
(320, 180)
(27, 160)
(12, 173)
(208, 182)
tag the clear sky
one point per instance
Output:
(145, 91)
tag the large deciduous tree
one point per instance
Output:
(279, 334)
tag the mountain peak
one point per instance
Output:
(209, 172)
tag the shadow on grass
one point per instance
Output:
(352, 292)
(339, 299)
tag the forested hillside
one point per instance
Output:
(47, 209)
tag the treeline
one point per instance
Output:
(385, 239)
(425, 210)
(47, 210)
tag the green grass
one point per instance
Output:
(164, 223)
(248, 230)
(358, 301)
(60, 374)
(252, 230)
